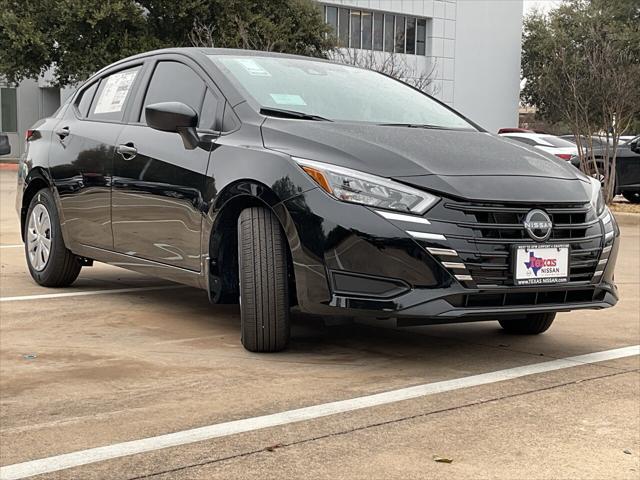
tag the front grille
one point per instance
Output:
(484, 235)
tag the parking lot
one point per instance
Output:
(121, 357)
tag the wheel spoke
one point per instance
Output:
(34, 222)
(32, 235)
(37, 256)
(45, 252)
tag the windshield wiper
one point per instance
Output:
(414, 125)
(282, 113)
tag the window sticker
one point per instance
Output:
(115, 92)
(286, 99)
(252, 67)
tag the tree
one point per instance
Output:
(288, 26)
(77, 38)
(388, 63)
(582, 67)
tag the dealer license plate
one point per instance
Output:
(541, 264)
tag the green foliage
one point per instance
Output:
(582, 68)
(559, 52)
(289, 26)
(78, 37)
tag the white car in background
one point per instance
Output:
(557, 146)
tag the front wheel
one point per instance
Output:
(50, 263)
(264, 286)
(531, 325)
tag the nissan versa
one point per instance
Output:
(284, 182)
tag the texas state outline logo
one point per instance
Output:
(536, 263)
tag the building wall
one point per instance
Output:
(487, 61)
(34, 100)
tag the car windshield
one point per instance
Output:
(328, 91)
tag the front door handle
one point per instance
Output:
(127, 151)
(63, 132)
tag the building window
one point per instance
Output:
(400, 34)
(332, 18)
(367, 30)
(356, 30)
(389, 21)
(411, 35)
(9, 106)
(421, 35)
(343, 27)
(377, 31)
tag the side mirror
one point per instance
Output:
(174, 117)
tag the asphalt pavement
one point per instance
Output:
(119, 360)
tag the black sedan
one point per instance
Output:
(283, 182)
(627, 181)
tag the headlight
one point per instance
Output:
(359, 187)
(597, 199)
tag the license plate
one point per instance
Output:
(541, 264)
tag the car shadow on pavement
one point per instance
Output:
(356, 342)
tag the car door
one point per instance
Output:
(628, 165)
(158, 184)
(82, 152)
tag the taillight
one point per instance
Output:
(28, 134)
(564, 156)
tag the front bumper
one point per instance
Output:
(349, 260)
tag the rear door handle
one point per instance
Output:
(127, 151)
(63, 132)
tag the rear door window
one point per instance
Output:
(111, 98)
(175, 82)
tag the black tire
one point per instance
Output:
(264, 288)
(62, 267)
(532, 325)
(633, 197)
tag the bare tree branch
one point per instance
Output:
(390, 64)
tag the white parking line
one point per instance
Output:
(12, 246)
(92, 455)
(88, 292)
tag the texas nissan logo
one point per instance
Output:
(538, 225)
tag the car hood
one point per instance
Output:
(467, 164)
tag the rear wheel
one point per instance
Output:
(531, 325)
(50, 263)
(633, 197)
(264, 289)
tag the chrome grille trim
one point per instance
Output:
(426, 236)
(464, 278)
(456, 265)
(403, 218)
(443, 252)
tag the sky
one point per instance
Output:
(544, 5)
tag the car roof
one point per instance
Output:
(195, 52)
